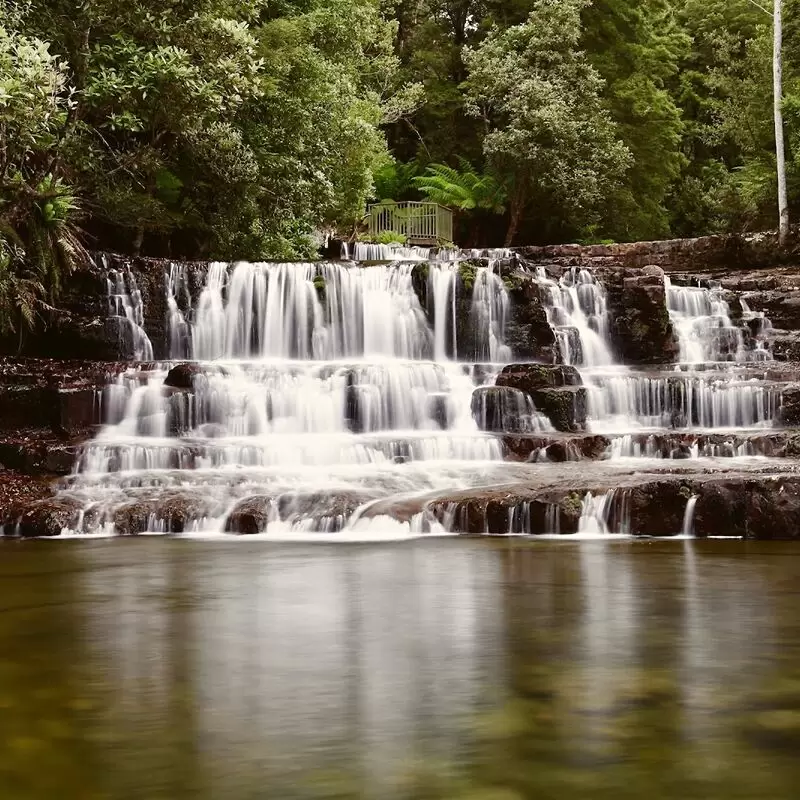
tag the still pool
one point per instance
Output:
(163, 669)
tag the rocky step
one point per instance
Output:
(726, 504)
(675, 445)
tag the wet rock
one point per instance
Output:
(566, 408)
(50, 517)
(641, 327)
(168, 513)
(555, 448)
(789, 414)
(499, 409)
(439, 409)
(329, 510)
(527, 331)
(555, 391)
(182, 376)
(532, 377)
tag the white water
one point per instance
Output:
(125, 302)
(600, 516)
(687, 529)
(322, 387)
(620, 399)
(329, 399)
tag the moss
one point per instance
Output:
(319, 285)
(685, 492)
(467, 271)
(572, 504)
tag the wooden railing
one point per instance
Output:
(420, 223)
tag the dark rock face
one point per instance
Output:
(555, 390)
(555, 448)
(641, 326)
(790, 406)
(530, 378)
(182, 376)
(527, 331)
(750, 507)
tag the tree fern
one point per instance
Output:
(461, 189)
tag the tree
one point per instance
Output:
(549, 139)
(38, 210)
(636, 47)
(780, 152)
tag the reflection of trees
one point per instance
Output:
(46, 698)
(607, 644)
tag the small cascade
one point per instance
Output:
(620, 401)
(364, 251)
(180, 339)
(760, 328)
(687, 529)
(701, 319)
(577, 312)
(125, 302)
(442, 282)
(604, 514)
(490, 307)
(506, 410)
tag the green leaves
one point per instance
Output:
(463, 190)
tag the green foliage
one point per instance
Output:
(549, 139)
(386, 237)
(462, 190)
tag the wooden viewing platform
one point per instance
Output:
(420, 223)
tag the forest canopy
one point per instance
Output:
(251, 128)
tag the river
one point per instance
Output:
(442, 668)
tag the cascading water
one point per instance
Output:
(317, 389)
(576, 310)
(125, 302)
(702, 323)
(620, 399)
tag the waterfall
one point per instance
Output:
(577, 312)
(125, 302)
(179, 332)
(687, 529)
(442, 279)
(490, 306)
(597, 512)
(701, 319)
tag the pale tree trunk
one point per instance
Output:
(780, 153)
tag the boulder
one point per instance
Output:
(50, 517)
(556, 392)
(182, 376)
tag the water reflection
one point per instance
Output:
(440, 669)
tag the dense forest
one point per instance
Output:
(249, 128)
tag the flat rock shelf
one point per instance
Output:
(417, 393)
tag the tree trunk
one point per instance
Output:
(780, 153)
(517, 206)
